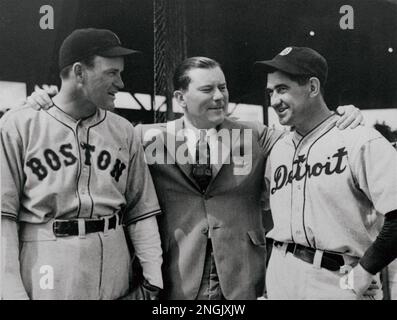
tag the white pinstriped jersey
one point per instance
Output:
(56, 167)
(329, 187)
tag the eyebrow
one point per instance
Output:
(114, 69)
(211, 85)
(277, 86)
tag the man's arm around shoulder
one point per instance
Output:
(268, 137)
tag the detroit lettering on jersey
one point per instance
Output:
(301, 169)
(55, 160)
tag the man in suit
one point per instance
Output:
(212, 233)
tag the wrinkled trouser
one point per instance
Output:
(97, 266)
(290, 278)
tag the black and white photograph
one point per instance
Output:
(198, 150)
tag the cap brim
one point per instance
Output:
(117, 52)
(265, 66)
(269, 66)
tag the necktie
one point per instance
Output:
(202, 168)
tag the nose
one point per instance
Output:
(275, 100)
(217, 94)
(119, 82)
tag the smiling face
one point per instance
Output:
(206, 98)
(103, 81)
(289, 99)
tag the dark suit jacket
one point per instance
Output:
(230, 210)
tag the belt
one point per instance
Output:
(65, 228)
(329, 261)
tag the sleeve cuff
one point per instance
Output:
(9, 215)
(128, 221)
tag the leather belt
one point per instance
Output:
(66, 228)
(329, 261)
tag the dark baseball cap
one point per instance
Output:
(297, 61)
(83, 43)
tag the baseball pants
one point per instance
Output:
(96, 266)
(290, 278)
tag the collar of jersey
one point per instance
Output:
(66, 119)
(325, 125)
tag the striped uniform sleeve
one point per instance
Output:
(375, 168)
(12, 176)
(140, 192)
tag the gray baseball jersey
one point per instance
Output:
(327, 188)
(56, 167)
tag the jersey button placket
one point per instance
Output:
(85, 209)
(297, 206)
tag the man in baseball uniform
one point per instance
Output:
(72, 176)
(328, 188)
(211, 226)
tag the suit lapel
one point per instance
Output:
(179, 138)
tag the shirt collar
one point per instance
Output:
(194, 133)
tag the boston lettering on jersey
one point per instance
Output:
(282, 177)
(54, 161)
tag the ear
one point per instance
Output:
(314, 86)
(78, 71)
(180, 98)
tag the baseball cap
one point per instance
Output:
(297, 61)
(83, 43)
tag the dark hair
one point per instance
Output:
(89, 62)
(181, 79)
(301, 79)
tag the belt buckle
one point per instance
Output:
(55, 228)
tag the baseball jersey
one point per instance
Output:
(329, 188)
(54, 166)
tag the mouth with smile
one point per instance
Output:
(217, 108)
(281, 109)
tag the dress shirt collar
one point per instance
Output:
(192, 135)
